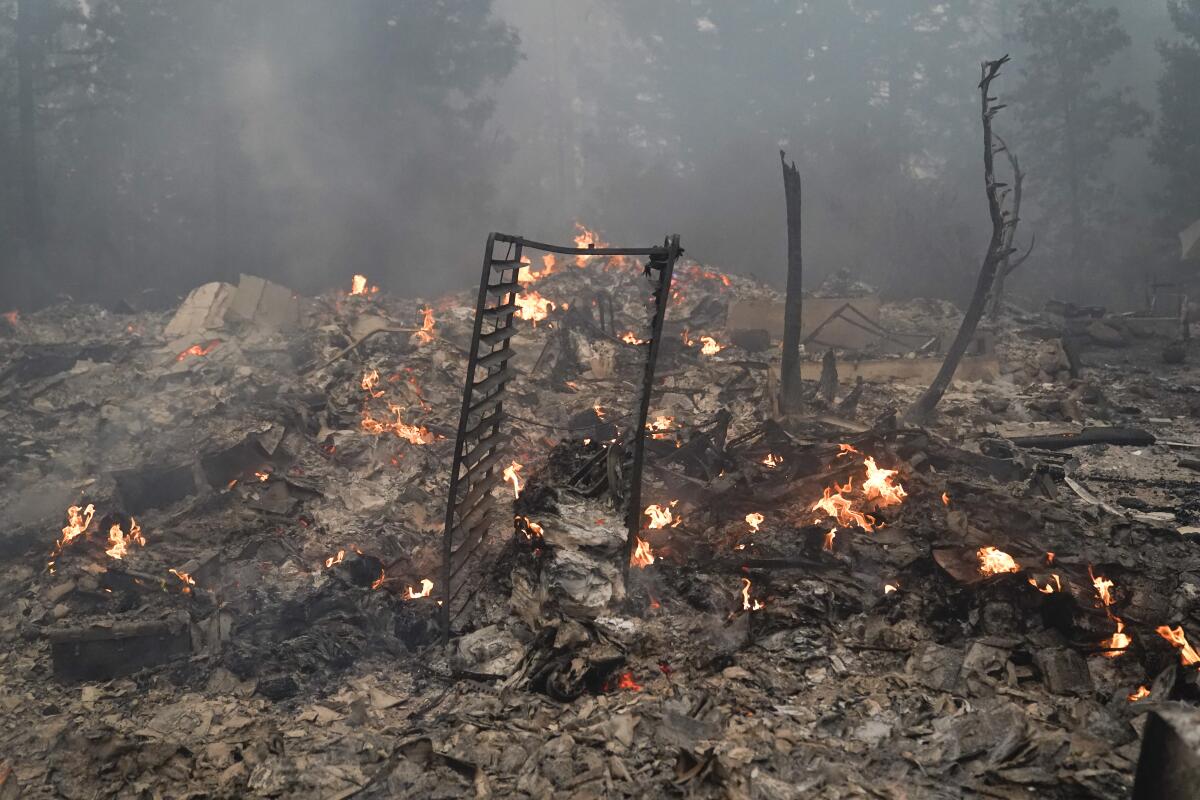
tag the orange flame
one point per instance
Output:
(1119, 641)
(747, 603)
(661, 516)
(628, 337)
(510, 475)
(659, 426)
(12, 317)
(710, 346)
(262, 476)
(414, 434)
(188, 580)
(533, 307)
(532, 529)
(335, 559)
(627, 682)
(1187, 655)
(198, 350)
(995, 562)
(945, 499)
(642, 556)
(879, 486)
(426, 590)
(836, 505)
(889, 588)
(1047, 589)
(772, 460)
(78, 521)
(118, 541)
(754, 519)
(425, 335)
(827, 545)
(358, 285)
(1139, 694)
(380, 580)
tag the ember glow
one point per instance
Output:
(995, 562)
(510, 475)
(426, 590)
(358, 285)
(661, 516)
(772, 460)
(533, 307)
(13, 317)
(710, 346)
(747, 603)
(629, 338)
(531, 529)
(1187, 654)
(380, 580)
(119, 541)
(945, 499)
(754, 520)
(413, 434)
(1138, 694)
(425, 335)
(627, 682)
(188, 580)
(889, 588)
(642, 556)
(198, 350)
(338, 558)
(660, 426)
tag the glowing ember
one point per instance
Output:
(995, 562)
(945, 499)
(510, 475)
(1139, 694)
(1118, 643)
(188, 580)
(642, 556)
(627, 682)
(772, 460)
(426, 590)
(533, 307)
(835, 504)
(659, 426)
(661, 516)
(1048, 588)
(335, 559)
(198, 350)
(358, 285)
(531, 529)
(709, 346)
(425, 335)
(13, 317)
(1187, 655)
(598, 410)
(1049, 558)
(78, 520)
(827, 545)
(889, 588)
(747, 603)
(118, 541)
(414, 434)
(379, 581)
(262, 476)
(754, 520)
(628, 338)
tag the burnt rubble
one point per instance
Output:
(243, 599)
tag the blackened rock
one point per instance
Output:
(279, 687)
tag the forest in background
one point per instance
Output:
(158, 144)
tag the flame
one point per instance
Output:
(78, 520)
(379, 581)
(628, 337)
(1103, 588)
(642, 556)
(661, 516)
(510, 475)
(587, 238)
(627, 682)
(118, 541)
(659, 426)
(827, 545)
(995, 562)
(772, 460)
(335, 559)
(710, 346)
(945, 499)
(1049, 558)
(533, 307)
(889, 588)
(426, 590)
(598, 410)
(12, 317)
(425, 335)
(688, 341)
(754, 519)
(370, 380)
(414, 434)
(1119, 641)
(532, 529)
(198, 350)
(529, 275)
(1187, 655)
(879, 487)
(836, 505)
(188, 580)
(846, 449)
(1139, 694)
(1047, 589)
(262, 476)
(358, 285)
(747, 603)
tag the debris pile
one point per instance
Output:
(222, 528)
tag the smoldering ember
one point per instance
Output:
(913, 513)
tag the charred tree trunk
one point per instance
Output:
(923, 408)
(1008, 266)
(793, 308)
(31, 204)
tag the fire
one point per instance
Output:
(370, 380)
(945, 499)
(659, 426)
(414, 434)
(629, 338)
(642, 556)
(532, 529)
(889, 588)
(529, 275)
(118, 541)
(198, 350)
(78, 520)
(598, 410)
(710, 346)
(747, 603)
(661, 516)
(426, 590)
(262, 476)
(754, 520)
(879, 487)
(588, 238)
(1119, 641)
(335, 559)
(358, 285)
(1139, 694)
(425, 335)
(995, 562)
(510, 475)
(533, 307)
(379, 581)
(827, 545)
(772, 460)
(13, 317)
(1103, 588)
(836, 505)
(627, 682)
(1187, 655)
(188, 580)
(1048, 588)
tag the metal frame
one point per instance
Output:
(475, 472)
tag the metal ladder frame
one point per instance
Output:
(470, 513)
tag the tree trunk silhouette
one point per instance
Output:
(794, 304)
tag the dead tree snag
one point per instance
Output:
(793, 308)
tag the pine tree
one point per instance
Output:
(1176, 142)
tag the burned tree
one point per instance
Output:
(1009, 266)
(993, 258)
(790, 365)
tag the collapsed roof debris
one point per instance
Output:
(970, 605)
